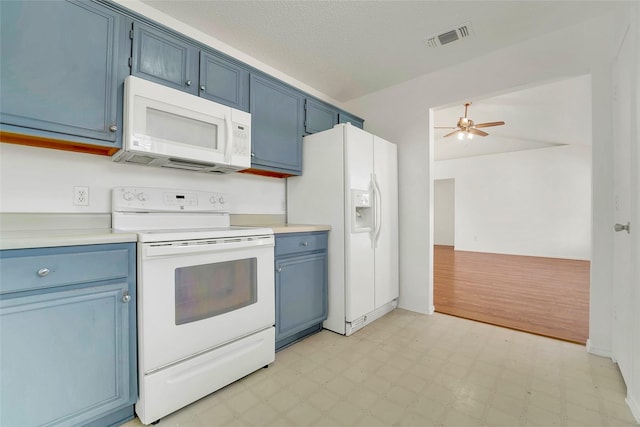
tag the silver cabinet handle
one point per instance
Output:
(622, 227)
(113, 128)
(43, 272)
(305, 243)
(188, 82)
(202, 88)
(126, 297)
(253, 154)
(279, 269)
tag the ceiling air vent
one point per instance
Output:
(461, 32)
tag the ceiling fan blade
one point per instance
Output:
(445, 127)
(477, 132)
(486, 125)
(452, 133)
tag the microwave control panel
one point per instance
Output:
(241, 139)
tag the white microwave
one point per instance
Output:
(167, 128)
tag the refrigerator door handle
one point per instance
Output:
(377, 210)
(374, 214)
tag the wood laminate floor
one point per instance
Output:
(544, 296)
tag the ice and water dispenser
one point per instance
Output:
(361, 211)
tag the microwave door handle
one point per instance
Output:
(227, 148)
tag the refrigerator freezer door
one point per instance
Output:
(386, 253)
(359, 289)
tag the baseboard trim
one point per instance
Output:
(598, 351)
(634, 406)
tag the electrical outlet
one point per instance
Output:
(81, 196)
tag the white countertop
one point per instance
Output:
(42, 230)
(276, 223)
(22, 239)
(296, 228)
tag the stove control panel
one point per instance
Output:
(147, 199)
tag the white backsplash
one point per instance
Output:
(41, 180)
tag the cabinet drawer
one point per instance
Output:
(30, 269)
(300, 242)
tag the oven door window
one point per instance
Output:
(208, 290)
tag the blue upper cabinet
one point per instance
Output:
(277, 113)
(349, 118)
(319, 116)
(62, 68)
(224, 81)
(167, 60)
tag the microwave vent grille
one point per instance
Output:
(141, 160)
(184, 165)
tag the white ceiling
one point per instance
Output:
(552, 114)
(347, 49)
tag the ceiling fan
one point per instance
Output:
(466, 128)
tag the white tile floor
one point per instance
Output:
(408, 369)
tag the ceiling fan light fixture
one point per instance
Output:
(466, 128)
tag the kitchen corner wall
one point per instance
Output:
(41, 180)
(402, 114)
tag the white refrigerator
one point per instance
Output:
(350, 182)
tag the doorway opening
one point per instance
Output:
(514, 248)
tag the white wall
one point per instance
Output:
(41, 180)
(402, 114)
(633, 394)
(535, 202)
(444, 211)
(626, 295)
(634, 387)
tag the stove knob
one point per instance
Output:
(142, 197)
(212, 200)
(221, 200)
(128, 196)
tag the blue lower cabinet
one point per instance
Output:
(301, 285)
(68, 350)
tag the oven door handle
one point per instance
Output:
(154, 250)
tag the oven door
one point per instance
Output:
(194, 296)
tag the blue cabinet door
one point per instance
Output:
(63, 354)
(165, 59)
(223, 81)
(61, 70)
(319, 116)
(276, 126)
(349, 118)
(301, 293)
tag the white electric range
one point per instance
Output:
(206, 306)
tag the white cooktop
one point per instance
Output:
(163, 215)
